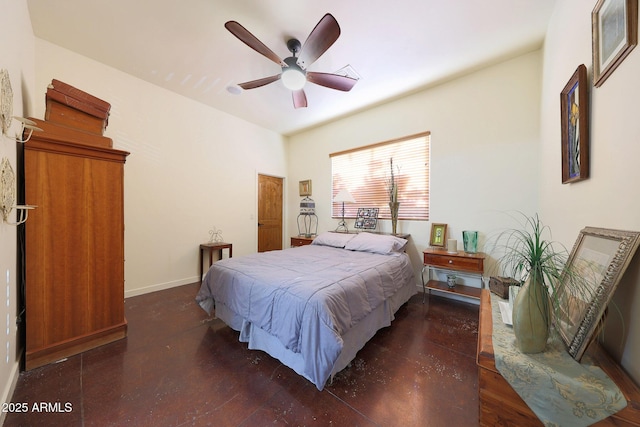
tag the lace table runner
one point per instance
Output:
(559, 390)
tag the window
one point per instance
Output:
(365, 172)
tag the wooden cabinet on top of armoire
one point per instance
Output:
(74, 243)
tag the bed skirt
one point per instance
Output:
(353, 340)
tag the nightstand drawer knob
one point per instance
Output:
(450, 261)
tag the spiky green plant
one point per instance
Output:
(528, 252)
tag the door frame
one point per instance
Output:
(284, 207)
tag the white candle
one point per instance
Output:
(452, 245)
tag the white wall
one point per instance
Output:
(484, 150)
(17, 58)
(191, 168)
(609, 198)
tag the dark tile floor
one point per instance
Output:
(178, 367)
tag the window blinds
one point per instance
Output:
(366, 172)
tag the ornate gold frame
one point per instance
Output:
(601, 256)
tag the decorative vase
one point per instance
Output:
(451, 281)
(470, 241)
(394, 207)
(531, 316)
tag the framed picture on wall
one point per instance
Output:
(574, 119)
(305, 187)
(614, 34)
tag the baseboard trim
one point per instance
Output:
(7, 394)
(160, 287)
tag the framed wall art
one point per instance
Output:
(305, 187)
(574, 119)
(614, 35)
(599, 258)
(367, 218)
(438, 235)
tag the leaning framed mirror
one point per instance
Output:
(594, 268)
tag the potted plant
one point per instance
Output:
(529, 255)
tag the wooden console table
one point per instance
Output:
(501, 405)
(211, 247)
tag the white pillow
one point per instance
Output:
(377, 243)
(336, 240)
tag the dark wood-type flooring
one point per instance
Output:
(178, 367)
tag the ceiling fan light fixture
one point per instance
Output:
(293, 79)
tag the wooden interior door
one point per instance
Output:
(269, 213)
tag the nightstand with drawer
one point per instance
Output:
(452, 262)
(301, 241)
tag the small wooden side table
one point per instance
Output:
(212, 247)
(438, 259)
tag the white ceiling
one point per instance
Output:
(396, 47)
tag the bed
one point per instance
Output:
(312, 307)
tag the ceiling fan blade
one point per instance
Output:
(299, 98)
(325, 33)
(332, 81)
(260, 82)
(252, 41)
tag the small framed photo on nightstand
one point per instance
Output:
(438, 235)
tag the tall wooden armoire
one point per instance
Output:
(74, 243)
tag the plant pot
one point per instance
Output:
(531, 316)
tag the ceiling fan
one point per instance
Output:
(294, 73)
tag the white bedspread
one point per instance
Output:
(306, 297)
